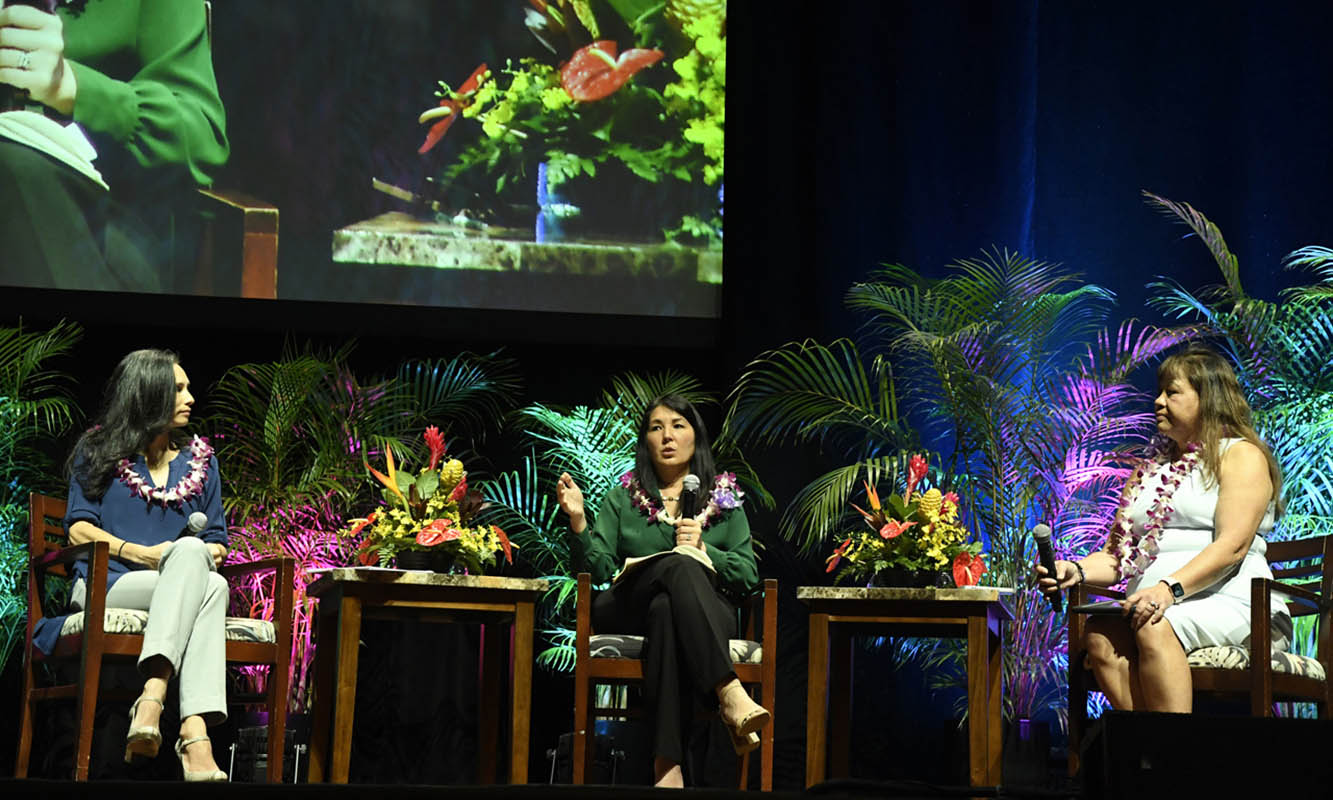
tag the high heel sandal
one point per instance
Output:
(745, 731)
(208, 775)
(144, 741)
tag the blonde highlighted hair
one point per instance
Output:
(1223, 411)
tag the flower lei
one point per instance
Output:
(1133, 552)
(190, 484)
(725, 495)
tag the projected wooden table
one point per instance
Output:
(347, 596)
(837, 614)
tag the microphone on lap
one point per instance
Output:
(196, 523)
(689, 496)
(1042, 534)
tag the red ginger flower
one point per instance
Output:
(595, 72)
(435, 441)
(916, 470)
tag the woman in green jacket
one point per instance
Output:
(137, 78)
(676, 599)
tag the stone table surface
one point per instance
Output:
(972, 594)
(410, 577)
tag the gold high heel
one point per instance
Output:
(745, 731)
(144, 741)
(208, 775)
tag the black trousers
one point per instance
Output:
(60, 230)
(674, 604)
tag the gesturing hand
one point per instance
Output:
(32, 56)
(570, 497)
(688, 532)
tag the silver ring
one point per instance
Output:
(25, 59)
(1155, 605)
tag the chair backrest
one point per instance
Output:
(1303, 563)
(46, 527)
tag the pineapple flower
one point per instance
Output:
(930, 504)
(595, 71)
(435, 441)
(916, 470)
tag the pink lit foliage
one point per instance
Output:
(301, 535)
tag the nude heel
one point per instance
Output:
(145, 741)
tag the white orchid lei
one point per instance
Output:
(725, 495)
(190, 484)
(1133, 552)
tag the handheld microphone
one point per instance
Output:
(689, 496)
(1042, 534)
(197, 522)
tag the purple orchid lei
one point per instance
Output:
(1133, 552)
(190, 484)
(726, 494)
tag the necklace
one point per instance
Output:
(190, 484)
(725, 495)
(1135, 552)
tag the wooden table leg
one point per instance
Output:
(344, 708)
(522, 689)
(325, 662)
(840, 702)
(816, 699)
(995, 712)
(978, 701)
(488, 704)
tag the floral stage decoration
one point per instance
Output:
(431, 512)
(912, 533)
(627, 93)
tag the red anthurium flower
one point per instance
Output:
(368, 558)
(504, 542)
(459, 490)
(894, 528)
(968, 569)
(916, 470)
(594, 71)
(361, 524)
(455, 103)
(837, 555)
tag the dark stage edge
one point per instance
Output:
(151, 790)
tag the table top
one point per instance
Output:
(345, 576)
(971, 594)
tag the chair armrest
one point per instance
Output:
(1296, 593)
(249, 567)
(65, 555)
(1081, 593)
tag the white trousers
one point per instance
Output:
(186, 601)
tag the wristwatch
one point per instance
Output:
(1176, 587)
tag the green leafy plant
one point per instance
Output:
(35, 406)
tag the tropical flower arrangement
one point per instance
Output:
(431, 511)
(594, 106)
(915, 532)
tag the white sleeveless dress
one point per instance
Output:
(1219, 614)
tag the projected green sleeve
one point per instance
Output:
(144, 76)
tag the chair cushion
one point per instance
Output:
(1236, 657)
(620, 645)
(133, 620)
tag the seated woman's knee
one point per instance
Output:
(1100, 647)
(660, 606)
(189, 547)
(1153, 637)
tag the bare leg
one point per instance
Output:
(1164, 671)
(149, 714)
(198, 756)
(1113, 657)
(667, 774)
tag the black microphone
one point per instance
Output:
(1042, 534)
(689, 496)
(197, 522)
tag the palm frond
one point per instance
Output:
(1209, 234)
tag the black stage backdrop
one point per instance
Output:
(860, 132)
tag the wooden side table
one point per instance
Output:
(837, 614)
(346, 596)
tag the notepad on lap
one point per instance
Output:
(683, 549)
(65, 143)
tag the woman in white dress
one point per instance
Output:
(1187, 540)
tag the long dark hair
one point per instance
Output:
(701, 463)
(137, 407)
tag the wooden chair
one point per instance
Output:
(591, 667)
(87, 640)
(1303, 573)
